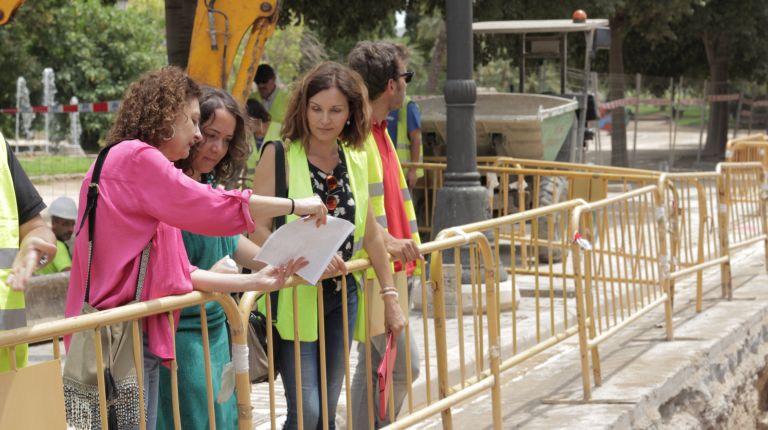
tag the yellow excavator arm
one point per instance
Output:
(218, 30)
(7, 8)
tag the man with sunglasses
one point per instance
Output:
(382, 66)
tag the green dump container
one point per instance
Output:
(530, 126)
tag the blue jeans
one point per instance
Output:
(151, 385)
(310, 362)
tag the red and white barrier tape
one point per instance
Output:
(613, 104)
(723, 97)
(98, 107)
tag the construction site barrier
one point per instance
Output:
(742, 209)
(748, 148)
(696, 241)
(526, 264)
(620, 255)
(627, 249)
(54, 330)
(441, 388)
(515, 184)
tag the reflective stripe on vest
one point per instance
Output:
(402, 141)
(299, 186)
(376, 183)
(6, 257)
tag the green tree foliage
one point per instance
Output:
(651, 23)
(733, 39)
(340, 24)
(322, 30)
(95, 51)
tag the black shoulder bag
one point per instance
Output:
(257, 332)
(81, 389)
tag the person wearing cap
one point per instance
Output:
(273, 98)
(63, 212)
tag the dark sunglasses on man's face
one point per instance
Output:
(408, 76)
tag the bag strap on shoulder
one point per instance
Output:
(90, 215)
(281, 186)
(281, 190)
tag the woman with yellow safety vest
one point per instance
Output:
(326, 124)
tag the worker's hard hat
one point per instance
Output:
(63, 207)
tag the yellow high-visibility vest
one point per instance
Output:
(278, 106)
(376, 191)
(12, 312)
(300, 186)
(403, 141)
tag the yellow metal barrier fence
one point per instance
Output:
(742, 209)
(627, 251)
(619, 253)
(438, 393)
(748, 148)
(692, 203)
(537, 266)
(54, 330)
(514, 185)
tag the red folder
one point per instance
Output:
(386, 368)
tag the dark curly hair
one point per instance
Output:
(151, 105)
(324, 76)
(231, 166)
(377, 63)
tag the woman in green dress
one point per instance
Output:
(217, 160)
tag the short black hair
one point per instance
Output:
(264, 73)
(257, 110)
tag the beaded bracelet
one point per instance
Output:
(390, 293)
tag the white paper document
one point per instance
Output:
(301, 238)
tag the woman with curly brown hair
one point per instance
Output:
(144, 201)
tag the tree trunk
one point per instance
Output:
(717, 127)
(437, 60)
(616, 92)
(179, 22)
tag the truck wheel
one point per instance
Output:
(552, 190)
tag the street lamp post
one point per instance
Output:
(462, 199)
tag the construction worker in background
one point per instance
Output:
(26, 244)
(404, 127)
(264, 130)
(383, 68)
(274, 99)
(63, 212)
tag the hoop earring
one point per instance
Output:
(172, 134)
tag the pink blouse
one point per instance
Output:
(143, 197)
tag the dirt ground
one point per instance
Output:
(657, 147)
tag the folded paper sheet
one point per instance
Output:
(304, 239)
